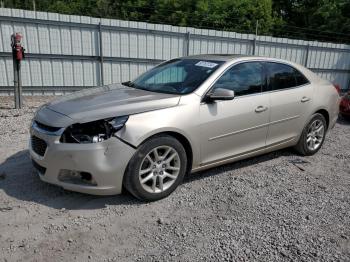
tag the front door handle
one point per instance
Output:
(305, 99)
(260, 109)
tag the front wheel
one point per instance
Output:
(156, 169)
(312, 138)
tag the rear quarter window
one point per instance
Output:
(300, 78)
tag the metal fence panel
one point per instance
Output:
(66, 53)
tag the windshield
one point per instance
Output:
(178, 76)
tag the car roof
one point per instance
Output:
(216, 57)
(230, 57)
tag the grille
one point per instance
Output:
(38, 167)
(38, 145)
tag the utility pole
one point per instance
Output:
(34, 6)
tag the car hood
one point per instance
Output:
(103, 102)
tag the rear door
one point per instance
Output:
(290, 100)
(238, 126)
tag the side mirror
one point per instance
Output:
(220, 94)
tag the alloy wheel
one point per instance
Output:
(315, 135)
(159, 169)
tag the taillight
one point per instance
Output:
(338, 88)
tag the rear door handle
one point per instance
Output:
(305, 99)
(260, 109)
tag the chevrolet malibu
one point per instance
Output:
(184, 115)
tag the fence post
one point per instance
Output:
(188, 37)
(254, 46)
(307, 55)
(102, 82)
(256, 36)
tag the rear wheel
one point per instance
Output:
(312, 138)
(156, 169)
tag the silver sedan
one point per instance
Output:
(184, 115)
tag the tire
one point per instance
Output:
(144, 166)
(303, 147)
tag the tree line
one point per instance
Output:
(324, 20)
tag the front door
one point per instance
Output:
(238, 126)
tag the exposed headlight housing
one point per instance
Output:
(93, 132)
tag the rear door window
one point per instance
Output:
(281, 76)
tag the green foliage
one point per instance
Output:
(307, 19)
(327, 20)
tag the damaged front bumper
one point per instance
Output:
(94, 168)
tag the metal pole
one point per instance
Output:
(16, 83)
(307, 55)
(19, 80)
(17, 56)
(188, 37)
(256, 36)
(101, 54)
(254, 46)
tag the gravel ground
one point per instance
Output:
(276, 207)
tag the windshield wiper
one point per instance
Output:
(133, 85)
(128, 83)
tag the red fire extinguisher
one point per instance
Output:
(17, 49)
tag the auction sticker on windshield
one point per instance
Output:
(206, 64)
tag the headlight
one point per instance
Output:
(93, 132)
(36, 112)
(39, 108)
